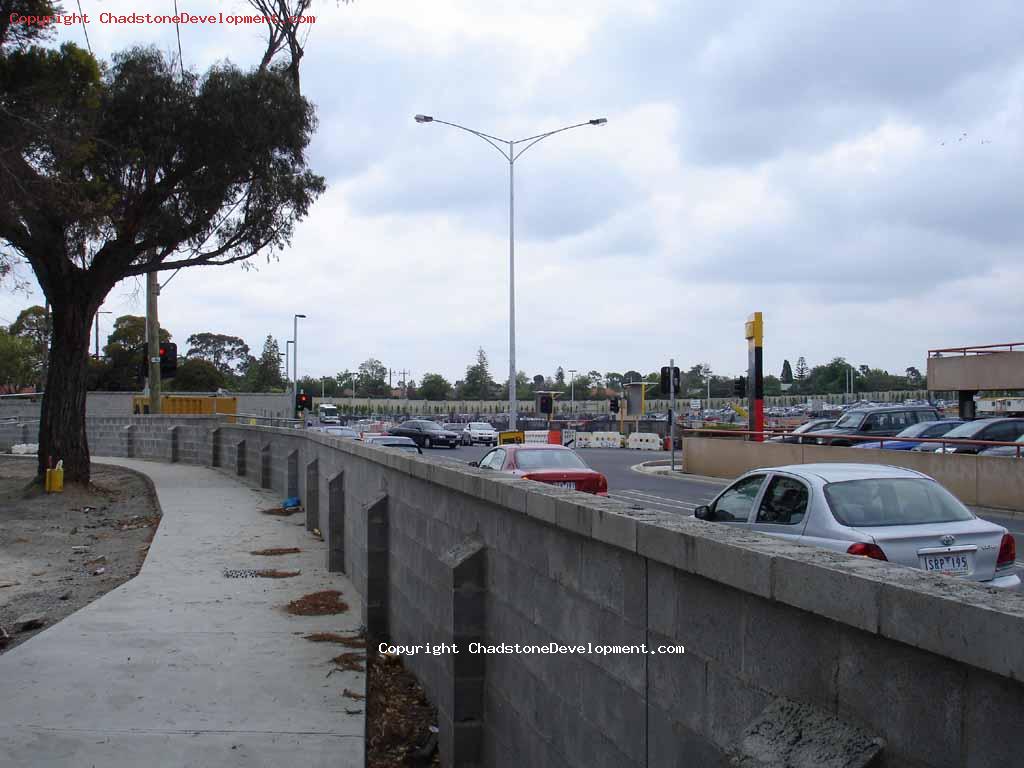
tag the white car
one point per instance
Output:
(479, 432)
(881, 512)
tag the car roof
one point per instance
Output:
(876, 408)
(535, 447)
(839, 472)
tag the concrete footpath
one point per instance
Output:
(182, 666)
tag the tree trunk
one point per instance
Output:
(62, 423)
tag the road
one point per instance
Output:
(679, 495)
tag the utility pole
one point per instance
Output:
(405, 383)
(153, 340)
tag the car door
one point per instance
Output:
(735, 504)
(782, 509)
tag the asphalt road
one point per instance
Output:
(679, 495)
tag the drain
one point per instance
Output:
(245, 573)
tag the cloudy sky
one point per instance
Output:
(852, 170)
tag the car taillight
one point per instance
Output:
(602, 485)
(1007, 552)
(867, 550)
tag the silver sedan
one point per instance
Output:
(886, 513)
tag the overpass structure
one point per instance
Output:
(789, 650)
(969, 370)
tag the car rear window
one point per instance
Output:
(548, 459)
(893, 501)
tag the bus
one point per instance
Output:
(327, 413)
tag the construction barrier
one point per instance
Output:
(584, 440)
(569, 437)
(644, 441)
(606, 440)
(511, 437)
(555, 437)
(537, 436)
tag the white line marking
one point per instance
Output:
(642, 498)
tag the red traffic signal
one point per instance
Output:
(544, 404)
(303, 402)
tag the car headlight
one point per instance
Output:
(820, 440)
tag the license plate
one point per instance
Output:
(955, 564)
(570, 485)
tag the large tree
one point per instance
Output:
(197, 375)
(264, 373)
(17, 368)
(123, 353)
(31, 325)
(478, 384)
(434, 386)
(228, 354)
(372, 379)
(113, 171)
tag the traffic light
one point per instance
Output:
(613, 405)
(667, 385)
(168, 360)
(739, 387)
(303, 402)
(545, 404)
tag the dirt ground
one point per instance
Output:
(398, 717)
(53, 546)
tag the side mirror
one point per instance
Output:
(703, 513)
(474, 463)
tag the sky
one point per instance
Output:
(851, 170)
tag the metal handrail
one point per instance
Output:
(980, 349)
(274, 421)
(810, 436)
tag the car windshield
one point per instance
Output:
(850, 420)
(965, 430)
(431, 426)
(549, 459)
(893, 501)
(480, 425)
(812, 426)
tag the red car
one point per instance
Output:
(552, 464)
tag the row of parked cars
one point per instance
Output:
(915, 427)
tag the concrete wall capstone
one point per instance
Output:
(928, 665)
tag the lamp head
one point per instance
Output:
(302, 316)
(423, 119)
(599, 121)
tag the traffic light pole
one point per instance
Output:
(754, 331)
(672, 410)
(153, 341)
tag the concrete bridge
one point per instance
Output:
(791, 653)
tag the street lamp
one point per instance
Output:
(572, 392)
(287, 361)
(295, 352)
(511, 154)
(98, 313)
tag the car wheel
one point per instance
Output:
(426, 442)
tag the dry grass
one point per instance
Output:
(275, 574)
(350, 661)
(334, 637)
(277, 551)
(318, 604)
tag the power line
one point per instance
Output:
(82, 16)
(177, 29)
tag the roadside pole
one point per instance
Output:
(153, 341)
(672, 409)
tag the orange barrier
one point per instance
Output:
(555, 436)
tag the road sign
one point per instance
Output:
(695, 405)
(517, 436)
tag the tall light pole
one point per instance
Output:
(287, 362)
(572, 392)
(508, 150)
(295, 351)
(98, 313)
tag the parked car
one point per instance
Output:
(881, 512)
(552, 464)
(883, 421)
(999, 429)
(921, 429)
(814, 425)
(426, 434)
(398, 443)
(479, 432)
(1005, 450)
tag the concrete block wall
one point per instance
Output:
(929, 664)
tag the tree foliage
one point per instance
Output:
(434, 386)
(197, 375)
(787, 373)
(17, 370)
(134, 167)
(372, 379)
(123, 354)
(264, 373)
(478, 384)
(228, 354)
